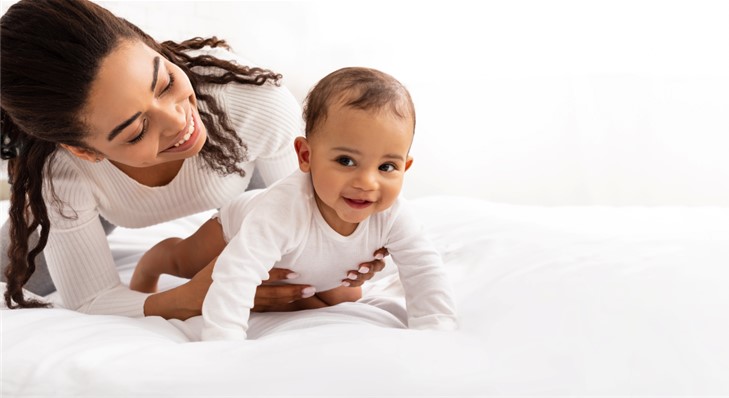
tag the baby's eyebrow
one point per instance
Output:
(358, 152)
(347, 149)
(394, 156)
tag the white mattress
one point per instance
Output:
(553, 301)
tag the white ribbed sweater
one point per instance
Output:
(79, 259)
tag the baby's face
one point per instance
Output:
(357, 163)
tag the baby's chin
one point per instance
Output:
(354, 218)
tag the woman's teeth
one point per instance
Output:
(187, 135)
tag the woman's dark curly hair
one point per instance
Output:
(51, 52)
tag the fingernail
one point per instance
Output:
(364, 270)
(345, 284)
(352, 276)
(379, 256)
(292, 275)
(308, 292)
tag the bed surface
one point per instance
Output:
(552, 301)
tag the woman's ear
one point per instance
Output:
(303, 152)
(83, 153)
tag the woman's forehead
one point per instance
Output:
(124, 80)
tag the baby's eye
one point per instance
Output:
(388, 167)
(345, 161)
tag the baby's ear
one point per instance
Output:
(408, 162)
(83, 153)
(303, 152)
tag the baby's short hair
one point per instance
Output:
(359, 88)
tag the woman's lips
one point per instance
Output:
(194, 123)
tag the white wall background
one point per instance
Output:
(531, 102)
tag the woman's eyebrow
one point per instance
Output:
(118, 129)
(156, 62)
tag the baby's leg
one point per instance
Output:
(178, 257)
(156, 261)
(324, 299)
(197, 251)
(340, 295)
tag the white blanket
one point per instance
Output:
(553, 301)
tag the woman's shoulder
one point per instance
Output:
(66, 169)
(266, 115)
(69, 188)
(222, 53)
(270, 96)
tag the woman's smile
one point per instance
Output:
(187, 138)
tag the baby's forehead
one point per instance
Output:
(351, 99)
(353, 126)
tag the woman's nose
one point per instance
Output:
(174, 118)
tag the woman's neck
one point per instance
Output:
(152, 176)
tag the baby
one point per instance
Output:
(340, 207)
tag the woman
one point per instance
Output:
(107, 124)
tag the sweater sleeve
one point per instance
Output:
(267, 118)
(280, 160)
(77, 253)
(428, 293)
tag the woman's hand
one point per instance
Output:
(366, 271)
(185, 301)
(271, 296)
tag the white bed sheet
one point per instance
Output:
(553, 301)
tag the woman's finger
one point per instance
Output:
(280, 274)
(372, 267)
(277, 297)
(381, 253)
(363, 273)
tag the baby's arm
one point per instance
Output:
(429, 295)
(178, 257)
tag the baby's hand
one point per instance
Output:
(366, 270)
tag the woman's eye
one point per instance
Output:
(345, 161)
(170, 84)
(141, 134)
(388, 167)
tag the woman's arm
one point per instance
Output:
(87, 279)
(185, 301)
(83, 270)
(204, 246)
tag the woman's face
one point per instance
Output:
(141, 110)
